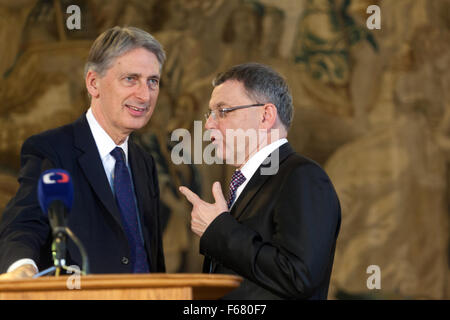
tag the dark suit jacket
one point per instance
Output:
(280, 234)
(94, 218)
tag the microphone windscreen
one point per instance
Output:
(55, 184)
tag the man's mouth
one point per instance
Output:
(139, 109)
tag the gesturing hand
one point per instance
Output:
(203, 213)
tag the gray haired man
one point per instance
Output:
(115, 210)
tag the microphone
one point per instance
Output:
(55, 195)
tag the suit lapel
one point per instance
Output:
(92, 166)
(258, 180)
(140, 176)
(145, 195)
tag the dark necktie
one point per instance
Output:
(127, 206)
(236, 180)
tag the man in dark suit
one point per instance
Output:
(116, 197)
(279, 227)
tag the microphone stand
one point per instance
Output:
(59, 253)
(59, 249)
(84, 256)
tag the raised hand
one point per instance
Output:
(203, 213)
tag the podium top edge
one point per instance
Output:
(108, 281)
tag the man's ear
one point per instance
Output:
(92, 83)
(269, 117)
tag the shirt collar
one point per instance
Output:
(103, 141)
(258, 158)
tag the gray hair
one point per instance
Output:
(117, 41)
(264, 85)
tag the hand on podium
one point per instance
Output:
(23, 272)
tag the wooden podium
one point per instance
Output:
(155, 286)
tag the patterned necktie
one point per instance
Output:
(236, 180)
(127, 206)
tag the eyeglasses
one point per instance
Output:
(223, 111)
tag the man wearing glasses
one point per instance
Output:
(278, 228)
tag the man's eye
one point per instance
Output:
(153, 83)
(130, 78)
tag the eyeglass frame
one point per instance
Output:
(224, 111)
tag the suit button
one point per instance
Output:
(125, 260)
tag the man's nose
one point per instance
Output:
(210, 123)
(143, 93)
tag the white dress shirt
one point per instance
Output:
(104, 145)
(252, 164)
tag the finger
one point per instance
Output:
(218, 195)
(190, 196)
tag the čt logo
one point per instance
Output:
(55, 177)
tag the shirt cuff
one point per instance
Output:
(20, 263)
